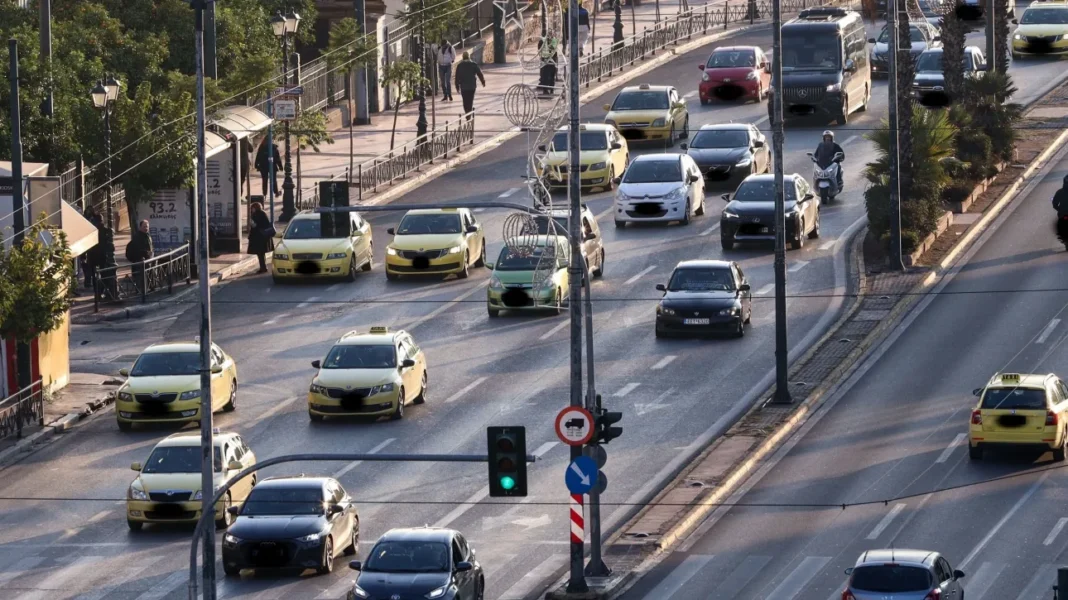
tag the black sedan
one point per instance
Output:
(422, 562)
(750, 216)
(728, 153)
(705, 296)
(292, 522)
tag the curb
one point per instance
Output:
(26, 446)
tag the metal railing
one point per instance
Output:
(21, 409)
(121, 282)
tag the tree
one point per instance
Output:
(988, 99)
(1000, 62)
(906, 72)
(954, 31)
(407, 77)
(437, 18)
(39, 274)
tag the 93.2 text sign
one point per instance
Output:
(285, 109)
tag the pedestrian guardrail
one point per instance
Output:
(22, 409)
(138, 280)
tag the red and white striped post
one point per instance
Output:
(578, 526)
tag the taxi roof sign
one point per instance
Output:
(380, 329)
(1010, 378)
(643, 86)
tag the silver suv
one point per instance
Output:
(902, 575)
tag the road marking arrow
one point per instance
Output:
(582, 476)
(528, 523)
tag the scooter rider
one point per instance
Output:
(825, 154)
(1060, 204)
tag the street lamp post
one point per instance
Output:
(420, 124)
(104, 94)
(284, 27)
(617, 25)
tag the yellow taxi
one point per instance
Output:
(1042, 29)
(167, 487)
(306, 252)
(604, 156)
(1020, 410)
(163, 385)
(436, 241)
(533, 278)
(649, 112)
(368, 374)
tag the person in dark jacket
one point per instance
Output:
(825, 153)
(264, 168)
(138, 251)
(466, 73)
(260, 235)
(91, 258)
(1060, 204)
(105, 261)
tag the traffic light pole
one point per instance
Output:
(596, 566)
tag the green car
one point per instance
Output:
(513, 287)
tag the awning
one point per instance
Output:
(213, 144)
(81, 234)
(240, 122)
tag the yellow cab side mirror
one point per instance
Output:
(216, 369)
(136, 466)
(124, 372)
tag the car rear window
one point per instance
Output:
(1018, 398)
(891, 578)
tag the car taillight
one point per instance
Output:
(848, 595)
(977, 417)
(1051, 417)
(935, 594)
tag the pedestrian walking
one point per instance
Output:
(91, 259)
(260, 235)
(138, 251)
(549, 58)
(446, 56)
(466, 73)
(106, 286)
(583, 28)
(264, 168)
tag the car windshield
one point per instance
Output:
(408, 557)
(722, 59)
(1017, 398)
(701, 280)
(641, 101)
(525, 261)
(162, 364)
(378, 356)
(807, 52)
(587, 141)
(762, 191)
(890, 579)
(720, 138)
(915, 35)
(417, 224)
(931, 62)
(306, 229)
(264, 501)
(653, 171)
(178, 459)
(1045, 16)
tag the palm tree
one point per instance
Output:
(1000, 60)
(988, 99)
(906, 71)
(953, 35)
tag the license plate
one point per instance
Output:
(695, 321)
(825, 184)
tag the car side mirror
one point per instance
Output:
(124, 372)
(335, 509)
(617, 180)
(758, 143)
(958, 573)
(871, 41)
(407, 363)
(463, 566)
(541, 148)
(849, 571)
(318, 364)
(684, 146)
(745, 287)
(617, 146)
(726, 197)
(136, 466)
(589, 236)
(977, 391)
(216, 369)
(809, 196)
(661, 287)
(850, 65)
(1015, 21)
(607, 107)
(391, 231)
(936, 38)
(701, 67)
(234, 510)
(235, 466)
(472, 229)
(693, 178)
(489, 265)
(355, 565)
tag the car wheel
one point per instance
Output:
(620, 224)
(354, 545)
(700, 209)
(493, 312)
(480, 593)
(231, 405)
(843, 116)
(658, 332)
(370, 264)
(739, 331)
(227, 519)
(727, 242)
(815, 233)
(134, 525)
(421, 398)
(600, 265)
(398, 413)
(685, 128)
(799, 237)
(327, 565)
(559, 302)
(466, 272)
(867, 95)
(975, 452)
(671, 137)
(481, 262)
(611, 179)
(352, 268)
(686, 218)
(231, 570)
(1058, 453)
(125, 426)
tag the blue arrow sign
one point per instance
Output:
(581, 475)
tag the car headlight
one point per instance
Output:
(659, 122)
(751, 76)
(663, 310)
(199, 495)
(730, 312)
(358, 592)
(547, 285)
(390, 250)
(189, 395)
(729, 215)
(745, 162)
(704, 76)
(381, 389)
(311, 537)
(438, 592)
(127, 396)
(333, 255)
(136, 494)
(280, 256)
(598, 166)
(834, 87)
(1017, 37)
(495, 283)
(315, 388)
(1064, 37)
(611, 122)
(621, 197)
(456, 249)
(678, 193)
(231, 539)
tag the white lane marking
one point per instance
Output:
(644, 271)
(98, 516)
(740, 577)
(797, 266)
(478, 210)
(690, 94)
(352, 465)
(626, 390)
(161, 589)
(1047, 331)
(760, 121)
(308, 301)
(850, 139)
(275, 319)
(466, 388)
(508, 193)
(978, 583)
(1040, 583)
(457, 512)
(268, 290)
(542, 449)
(115, 583)
(554, 330)
(337, 590)
(889, 518)
(766, 289)
(449, 304)
(522, 588)
(19, 569)
(827, 245)
(333, 287)
(994, 530)
(950, 448)
(710, 229)
(1055, 531)
(277, 408)
(667, 360)
(670, 585)
(799, 577)
(57, 579)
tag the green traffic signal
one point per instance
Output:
(507, 483)
(506, 455)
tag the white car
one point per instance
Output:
(659, 188)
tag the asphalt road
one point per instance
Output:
(674, 394)
(900, 430)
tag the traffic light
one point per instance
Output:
(507, 461)
(604, 428)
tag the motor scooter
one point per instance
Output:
(826, 180)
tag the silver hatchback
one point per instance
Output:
(903, 575)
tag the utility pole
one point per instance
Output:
(207, 487)
(45, 33)
(420, 123)
(991, 45)
(782, 389)
(211, 66)
(596, 566)
(577, 581)
(895, 261)
(363, 113)
(23, 361)
(269, 141)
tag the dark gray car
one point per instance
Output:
(923, 36)
(902, 575)
(750, 214)
(727, 153)
(705, 296)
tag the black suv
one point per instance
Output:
(421, 562)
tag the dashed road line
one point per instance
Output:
(827, 245)
(1047, 331)
(667, 360)
(626, 390)
(690, 94)
(352, 465)
(333, 287)
(949, 449)
(766, 289)
(307, 302)
(710, 229)
(508, 193)
(554, 330)
(797, 266)
(643, 272)
(466, 388)
(850, 139)
(889, 518)
(275, 319)
(1061, 522)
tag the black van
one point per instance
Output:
(825, 66)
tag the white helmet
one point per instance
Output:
(829, 133)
